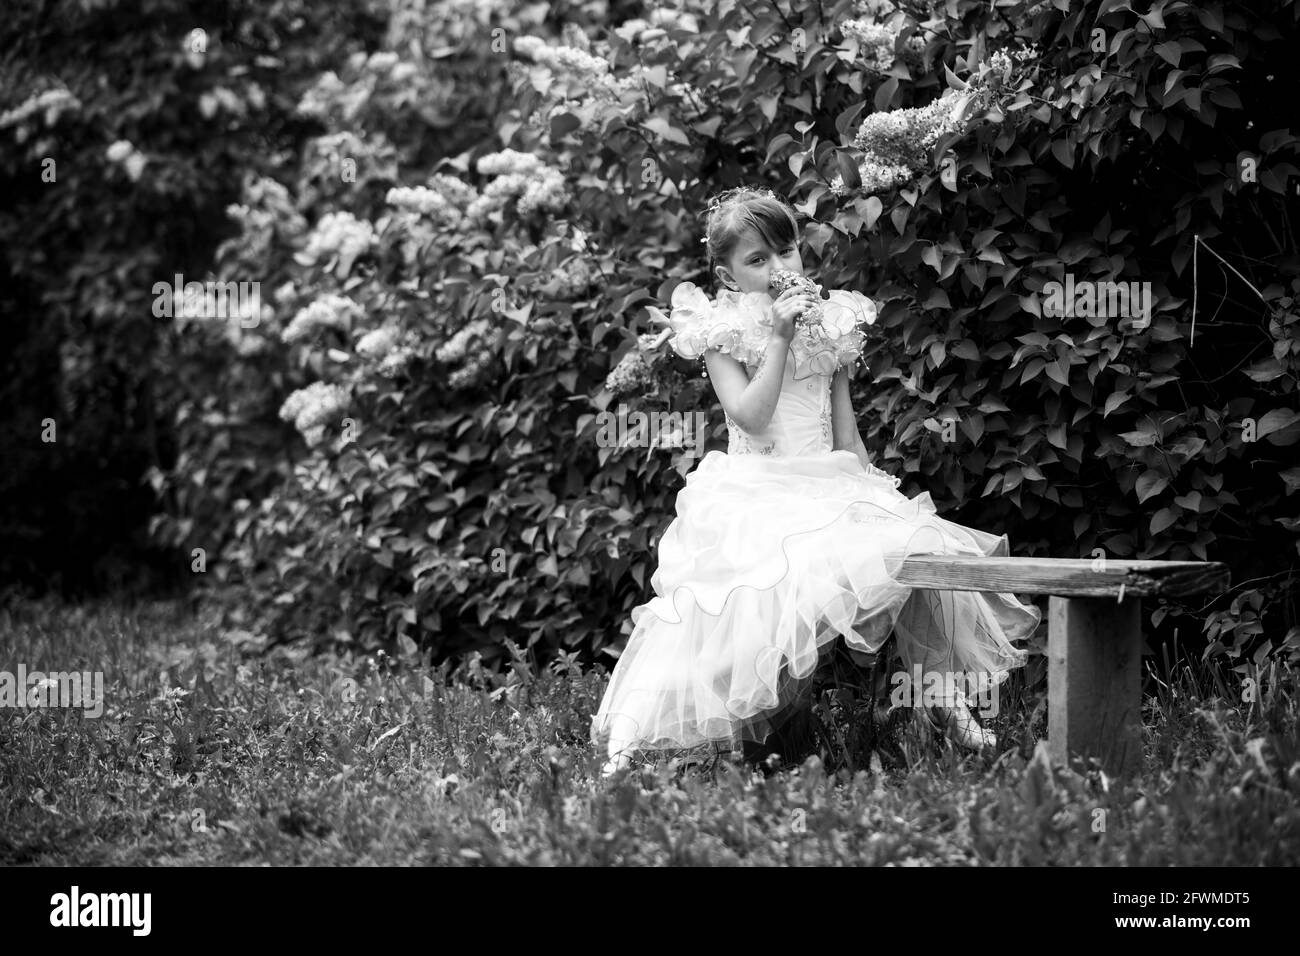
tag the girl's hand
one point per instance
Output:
(785, 308)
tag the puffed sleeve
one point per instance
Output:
(691, 318)
(845, 310)
(845, 314)
(730, 326)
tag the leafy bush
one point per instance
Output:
(124, 131)
(462, 301)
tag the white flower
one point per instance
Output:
(135, 166)
(378, 343)
(338, 233)
(545, 192)
(507, 161)
(459, 194)
(521, 175)
(425, 201)
(314, 406)
(329, 311)
(119, 151)
(382, 62)
(395, 361)
(632, 374)
(875, 42)
(53, 102)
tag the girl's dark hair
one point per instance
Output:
(746, 209)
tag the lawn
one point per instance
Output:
(213, 750)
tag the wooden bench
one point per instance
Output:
(1094, 636)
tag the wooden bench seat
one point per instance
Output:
(1094, 636)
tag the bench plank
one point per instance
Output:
(1067, 577)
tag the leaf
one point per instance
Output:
(562, 123)
(657, 75)
(779, 142)
(870, 210)
(1057, 373)
(1162, 519)
(954, 82)
(1114, 401)
(665, 130)
(1170, 51)
(1150, 484)
(1280, 423)
(1139, 439)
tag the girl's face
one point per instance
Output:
(753, 261)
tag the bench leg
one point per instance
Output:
(1094, 681)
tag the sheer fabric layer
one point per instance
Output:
(768, 560)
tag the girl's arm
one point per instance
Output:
(844, 425)
(749, 401)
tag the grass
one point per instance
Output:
(213, 751)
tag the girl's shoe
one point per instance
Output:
(616, 762)
(958, 724)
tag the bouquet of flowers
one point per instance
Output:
(810, 319)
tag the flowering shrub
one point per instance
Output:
(951, 163)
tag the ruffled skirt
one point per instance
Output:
(767, 561)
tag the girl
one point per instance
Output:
(792, 538)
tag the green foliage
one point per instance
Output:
(1001, 148)
(124, 132)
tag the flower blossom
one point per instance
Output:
(329, 311)
(875, 42)
(425, 202)
(898, 142)
(338, 233)
(631, 375)
(312, 407)
(53, 102)
(518, 175)
(377, 343)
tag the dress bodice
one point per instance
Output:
(741, 325)
(800, 424)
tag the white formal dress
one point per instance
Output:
(782, 545)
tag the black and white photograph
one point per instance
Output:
(637, 435)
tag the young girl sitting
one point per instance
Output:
(792, 538)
